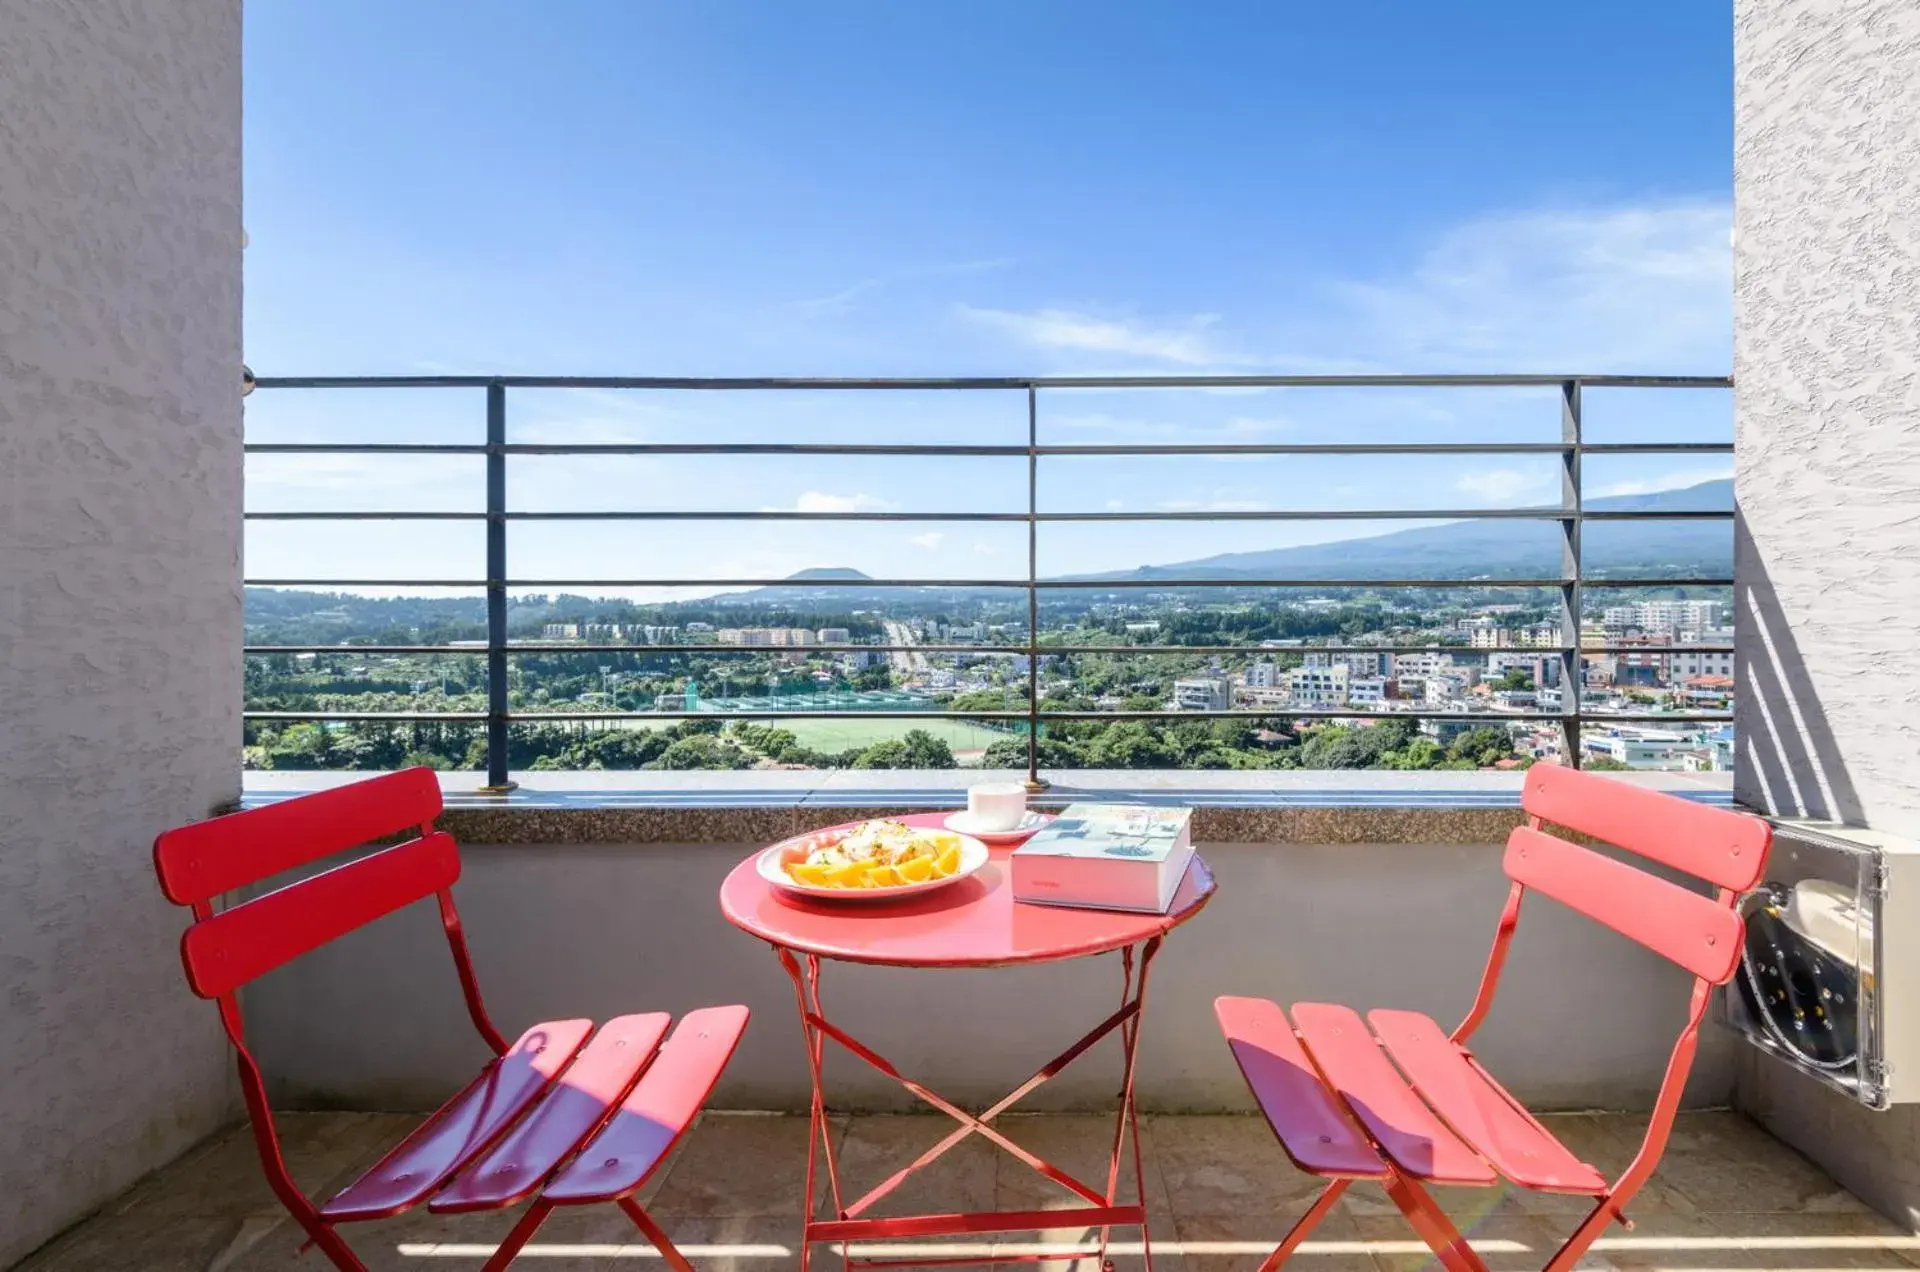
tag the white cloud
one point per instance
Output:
(931, 540)
(820, 501)
(1639, 287)
(1187, 342)
(1503, 485)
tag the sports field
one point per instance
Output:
(844, 735)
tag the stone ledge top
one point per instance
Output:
(1295, 806)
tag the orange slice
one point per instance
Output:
(947, 862)
(883, 877)
(917, 870)
(851, 875)
(812, 876)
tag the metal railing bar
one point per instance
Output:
(517, 647)
(474, 584)
(1165, 585)
(1657, 448)
(1244, 514)
(372, 717)
(1588, 580)
(1648, 514)
(364, 515)
(363, 448)
(965, 449)
(990, 382)
(972, 449)
(1173, 717)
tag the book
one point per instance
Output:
(1106, 857)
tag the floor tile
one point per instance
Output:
(876, 1146)
(1228, 1166)
(1240, 1243)
(740, 1165)
(1082, 1145)
(224, 1177)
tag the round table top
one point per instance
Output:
(972, 923)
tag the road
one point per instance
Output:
(908, 665)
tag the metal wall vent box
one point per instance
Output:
(1829, 981)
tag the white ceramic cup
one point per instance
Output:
(997, 805)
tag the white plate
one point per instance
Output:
(973, 855)
(962, 823)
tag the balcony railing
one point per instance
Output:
(1570, 514)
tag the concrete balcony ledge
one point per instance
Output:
(1303, 807)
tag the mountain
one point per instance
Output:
(1496, 549)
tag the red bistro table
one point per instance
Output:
(974, 923)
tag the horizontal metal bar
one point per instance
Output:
(363, 448)
(472, 584)
(1245, 514)
(1656, 448)
(478, 648)
(775, 514)
(374, 515)
(975, 450)
(1165, 585)
(762, 713)
(991, 382)
(1589, 581)
(760, 448)
(1174, 585)
(1590, 717)
(372, 717)
(1648, 514)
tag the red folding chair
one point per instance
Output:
(1397, 1100)
(555, 1116)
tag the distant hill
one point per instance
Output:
(1496, 549)
(1492, 550)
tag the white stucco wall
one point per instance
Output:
(120, 670)
(1585, 1019)
(1827, 473)
(1827, 407)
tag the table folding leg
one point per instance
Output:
(1102, 1209)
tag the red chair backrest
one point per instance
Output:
(200, 862)
(1718, 846)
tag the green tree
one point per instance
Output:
(1481, 747)
(702, 751)
(1515, 679)
(1131, 744)
(892, 753)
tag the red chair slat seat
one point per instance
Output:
(1396, 1099)
(524, 1118)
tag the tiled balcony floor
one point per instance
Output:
(1220, 1195)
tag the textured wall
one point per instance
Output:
(1827, 363)
(1585, 1018)
(120, 630)
(1827, 473)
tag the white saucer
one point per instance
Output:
(963, 823)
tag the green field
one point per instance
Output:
(844, 735)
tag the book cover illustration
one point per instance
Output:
(1135, 832)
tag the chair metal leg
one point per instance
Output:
(1322, 1204)
(522, 1233)
(1431, 1222)
(654, 1233)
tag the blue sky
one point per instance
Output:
(987, 188)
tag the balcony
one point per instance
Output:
(135, 700)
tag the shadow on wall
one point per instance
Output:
(1791, 764)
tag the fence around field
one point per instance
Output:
(1570, 515)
